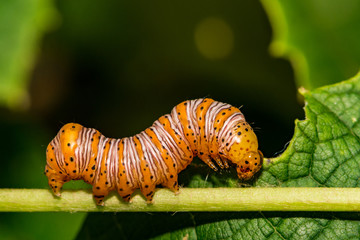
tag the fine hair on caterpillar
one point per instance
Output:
(215, 132)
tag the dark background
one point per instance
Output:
(118, 66)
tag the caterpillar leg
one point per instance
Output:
(148, 191)
(125, 193)
(99, 199)
(207, 160)
(99, 194)
(172, 184)
(225, 162)
(219, 162)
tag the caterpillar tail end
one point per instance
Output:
(56, 190)
(55, 185)
(57, 194)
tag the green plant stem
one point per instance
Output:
(189, 199)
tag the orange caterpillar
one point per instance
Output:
(202, 127)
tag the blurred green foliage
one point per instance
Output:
(22, 24)
(320, 38)
(119, 65)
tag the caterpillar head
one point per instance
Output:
(244, 151)
(249, 165)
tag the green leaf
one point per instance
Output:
(325, 151)
(320, 38)
(22, 23)
(325, 148)
(249, 225)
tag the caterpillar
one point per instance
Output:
(214, 131)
